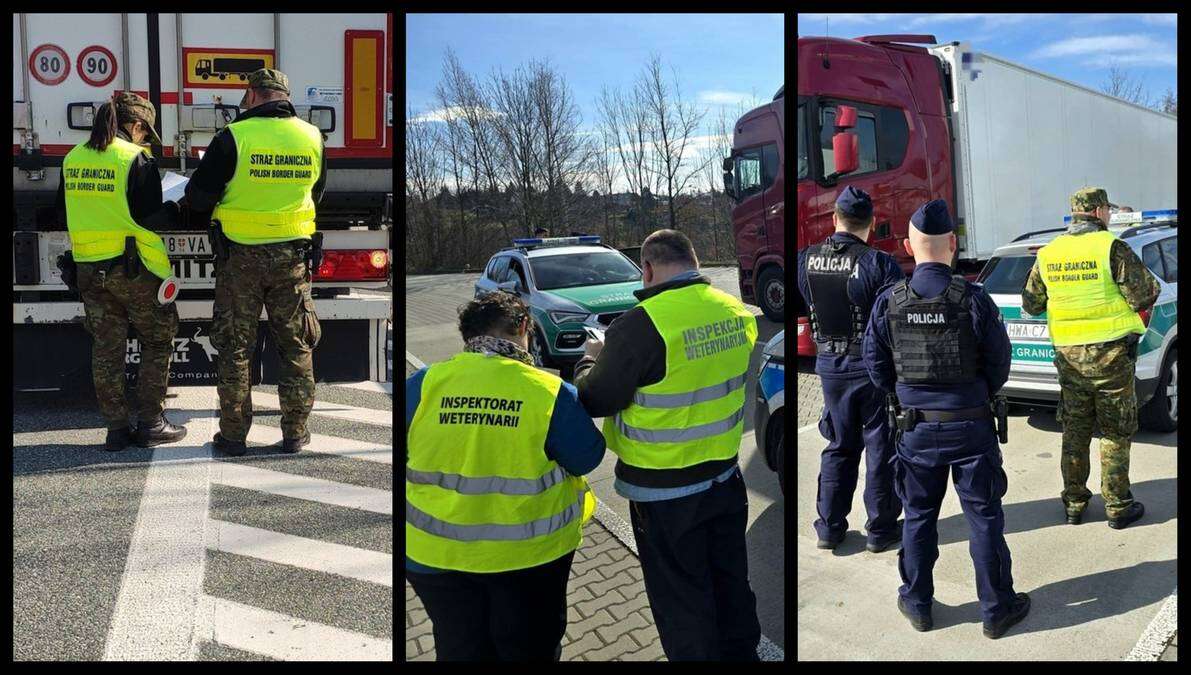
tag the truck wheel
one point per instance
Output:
(771, 293)
(1161, 413)
(223, 76)
(206, 76)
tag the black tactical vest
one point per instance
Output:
(933, 340)
(837, 325)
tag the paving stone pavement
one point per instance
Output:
(810, 393)
(1172, 650)
(608, 616)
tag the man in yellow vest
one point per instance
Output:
(670, 387)
(262, 177)
(1091, 286)
(494, 498)
(110, 196)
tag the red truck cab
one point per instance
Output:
(754, 176)
(874, 114)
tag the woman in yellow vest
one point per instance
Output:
(111, 197)
(494, 496)
(670, 386)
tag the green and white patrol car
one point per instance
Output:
(572, 285)
(1153, 235)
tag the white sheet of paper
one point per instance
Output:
(173, 186)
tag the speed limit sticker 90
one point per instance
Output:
(97, 66)
(49, 64)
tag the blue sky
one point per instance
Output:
(721, 59)
(1075, 47)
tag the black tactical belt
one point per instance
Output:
(978, 413)
(840, 348)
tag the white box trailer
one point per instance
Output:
(340, 68)
(1025, 141)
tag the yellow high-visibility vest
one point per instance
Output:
(95, 184)
(696, 413)
(1084, 305)
(268, 200)
(481, 494)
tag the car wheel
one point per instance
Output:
(1162, 411)
(776, 447)
(537, 349)
(771, 293)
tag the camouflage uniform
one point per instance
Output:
(111, 300)
(1097, 380)
(272, 276)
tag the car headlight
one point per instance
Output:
(560, 317)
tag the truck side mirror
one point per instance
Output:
(846, 148)
(845, 117)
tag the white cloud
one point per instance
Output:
(714, 97)
(1161, 19)
(442, 114)
(1097, 45)
(815, 21)
(1157, 57)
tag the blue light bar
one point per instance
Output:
(558, 241)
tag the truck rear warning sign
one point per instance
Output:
(223, 68)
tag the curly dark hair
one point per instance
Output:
(498, 312)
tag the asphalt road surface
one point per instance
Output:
(432, 335)
(1097, 593)
(175, 554)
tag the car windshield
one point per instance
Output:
(1006, 275)
(582, 269)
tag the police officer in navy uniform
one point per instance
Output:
(940, 342)
(839, 279)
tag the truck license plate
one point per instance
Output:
(187, 245)
(1020, 330)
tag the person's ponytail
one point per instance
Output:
(103, 128)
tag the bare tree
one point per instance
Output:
(1123, 85)
(564, 151)
(626, 116)
(1169, 103)
(607, 169)
(672, 123)
(423, 179)
(516, 126)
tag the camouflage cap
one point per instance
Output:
(131, 107)
(1086, 200)
(268, 78)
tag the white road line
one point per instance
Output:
(342, 411)
(236, 474)
(414, 361)
(808, 427)
(1156, 636)
(623, 532)
(328, 445)
(287, 638)
(383, 387)
(154, 618)
(311, 554)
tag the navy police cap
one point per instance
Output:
(855, 203)
(932, 218)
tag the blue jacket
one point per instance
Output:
(572, 440)
(877, 269)
(930, 280)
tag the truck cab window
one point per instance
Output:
(803, 158)
(865, 129)
(748, 172)
(769, 165)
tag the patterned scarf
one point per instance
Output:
(487, 344)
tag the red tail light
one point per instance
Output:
(1145, 317)
(353, 265)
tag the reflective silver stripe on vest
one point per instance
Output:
(487, 485)
(679, 435)
(684, 399)
(537, 528)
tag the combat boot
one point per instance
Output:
(1074, 518)
(829, 544)
(1132, 513)
(878, 546)
(233, 448)
(1019, 610)
(158, 432)
(118, 439)
(920, 623)
(292, 445)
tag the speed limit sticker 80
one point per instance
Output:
(97, 66)
(49, 64)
